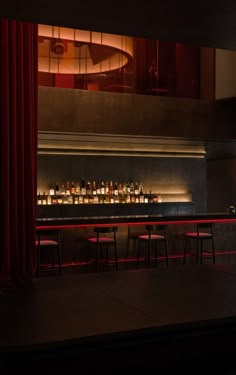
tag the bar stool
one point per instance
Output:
(205, 231)
(157, 234)
(132, 236)
(48, 240)
(105, 238)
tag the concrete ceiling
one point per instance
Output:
(203, 22)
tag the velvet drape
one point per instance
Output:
(18, 149)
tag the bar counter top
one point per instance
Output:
(119, 220)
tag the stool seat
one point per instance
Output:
(101, 240)
(46, 243)
(152, 237)
(200, 234)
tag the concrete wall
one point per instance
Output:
(71, 110)
(225, 74)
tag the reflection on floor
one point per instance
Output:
(130, 263)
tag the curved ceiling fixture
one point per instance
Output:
(72, 51)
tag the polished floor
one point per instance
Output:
(146, 316)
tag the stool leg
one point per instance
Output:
(138, 252)
(128, 242)
(59, 254)
(213, 250)
(134, 244)
(156, 254)
(59, 261)
(149, 252)
(102, 256)
(53, 259)
(116, 256)
(185, 250)
(107, 258)
(197, 250)
(97, 249)
(167, 251)
(38, 260)
(201, 251)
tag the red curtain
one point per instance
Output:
(18, 148)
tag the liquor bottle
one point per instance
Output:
(131, 188)
(51, 190)
(72, 190)
(39, 200)
(111, 189)
(77, 188)
(59, 199)
(107, 188)
(154, 198)
(57, 189)
(44, 198)
(63, 189)
(120, 189)
(98, 188)
(111, 198)
(116, 189)
(159, 198)
(94, 188)
(124, 188)
(70, 199)
(141, 194)
(128, 188)
(145, 197)
(83, 187)
(136, 189)
(86, 199)
(127, 198)
(150, 197)
(76, 200)
(49, 199)
(88, 188)
(132, 198)
(96, 199)
(67, 188)
(56, 199)
(91, 198)
(102, 188)
(81, 199)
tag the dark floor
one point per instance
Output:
(130, 319)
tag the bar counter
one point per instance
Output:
(77, 223)
(121, 220)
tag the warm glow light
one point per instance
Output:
(176, 197)
(70, 51)
(116, 145)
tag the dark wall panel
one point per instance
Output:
(221, 187)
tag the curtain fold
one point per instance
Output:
(18, 148)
